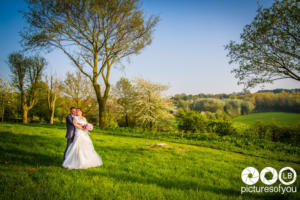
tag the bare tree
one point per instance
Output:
(79, 88)
(54, 88)
(26, 75)
(93, 34)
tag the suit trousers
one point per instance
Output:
(69, 141)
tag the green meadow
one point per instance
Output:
(134, 167)
(282, 118)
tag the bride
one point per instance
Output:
(81, 153)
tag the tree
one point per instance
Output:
(53, 90)
(191, 121)
(94, 34)
(26, 75)
(5, 94)
(113, 112)
(269, 47)
(80, 89)
(125, 93)
(40, 109)
(208, 104)
(63, 108)
(151, 107)
(77, 87)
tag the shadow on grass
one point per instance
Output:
(18, 149)
(123, 176)
(181, 185)
(36, 124)
(57, 125)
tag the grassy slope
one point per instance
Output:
(278, 117)
(30, 168)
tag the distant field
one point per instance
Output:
(282, 118)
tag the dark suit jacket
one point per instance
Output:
(70, 127)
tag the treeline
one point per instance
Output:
(141, 104)
(241, 103)
(136, 104)
(32, 95)
(52, 99)
(279, 90)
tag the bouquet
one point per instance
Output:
(88, 127)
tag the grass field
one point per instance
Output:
(134, 168)
(282, 118)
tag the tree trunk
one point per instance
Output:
(25, 115)
(126, 119)
(51, 98)
(52, 110)
(101, 104)
(52, 117)
(2, 117)
(3, 109)
(102, 122)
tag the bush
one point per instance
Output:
(191, 121)
(274, 132)
(222, 128)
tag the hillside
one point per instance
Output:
(282, 118)
(134, 168)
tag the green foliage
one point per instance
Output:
(269, 47)
(236, 107)
(40, 109)
(195, 122)
(222, 128)
(283, 102)
(274, 132)
(232, 107)
(11, 108)
(208, 104)
(241, 103)
(222, 116)
(151, 108)
(63, 105)
(125, 93)
(246, 107)
(191, 121)
(113, 112)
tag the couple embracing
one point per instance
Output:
(80, 152)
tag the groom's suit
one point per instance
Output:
(70, 132)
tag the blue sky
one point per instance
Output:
(187, 52)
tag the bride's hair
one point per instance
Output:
(80, 110)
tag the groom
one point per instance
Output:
(70, 128)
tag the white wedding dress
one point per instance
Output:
(81, 153)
